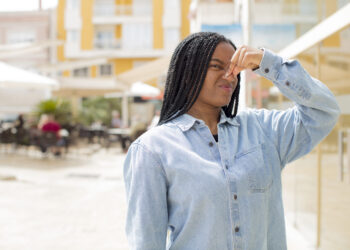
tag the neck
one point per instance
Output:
(210, 116)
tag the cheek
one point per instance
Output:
(210, 81)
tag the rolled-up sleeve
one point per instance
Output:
(146, 191)
(297, 130)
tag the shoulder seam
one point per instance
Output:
(155, 157)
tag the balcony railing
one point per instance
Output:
(122, 10)
(108, 44)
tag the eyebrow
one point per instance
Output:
(218, 60)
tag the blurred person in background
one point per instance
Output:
(19, 123)
(50, 136)
(42, 120)
(212, 176)
(116, 122)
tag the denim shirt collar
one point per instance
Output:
(186, 121)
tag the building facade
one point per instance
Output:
(19, 31)
(123, 34)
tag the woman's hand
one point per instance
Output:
(245, 58)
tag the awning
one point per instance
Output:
(70, 65)
(146, 72)
(83, 87)
(18, 50)
(13, 77)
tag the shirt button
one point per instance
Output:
(211, 144)
(267, 70)
(226, 166)
(236, 229)
(287, 83)
(235, 196)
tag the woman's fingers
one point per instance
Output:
(234, 61)
(244, 58)
(242, 52)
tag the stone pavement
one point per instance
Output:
(74, 203)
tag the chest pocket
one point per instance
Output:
(251, 164)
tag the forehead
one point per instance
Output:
(223, 51)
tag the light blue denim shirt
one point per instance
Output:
(225, 195)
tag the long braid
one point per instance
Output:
(186, 74)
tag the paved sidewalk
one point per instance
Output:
(75, 203)
(62, 204)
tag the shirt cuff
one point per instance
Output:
(269, 65)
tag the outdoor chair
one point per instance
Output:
(47, 140)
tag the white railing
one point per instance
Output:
(108, 44)
(124, 10)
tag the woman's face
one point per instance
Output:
(218, 89)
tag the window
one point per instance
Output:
(142, 7)
(21, 37)
(72, 35)
(73, 4)
(137, 36)
(104, 39)
(104, 7)
(105, 70)
(171, 23)
(82, 72)
(171, 37)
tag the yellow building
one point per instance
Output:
(104, 38)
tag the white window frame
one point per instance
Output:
(100, 71)
(20, 36)
(87, 75)
(110, 30)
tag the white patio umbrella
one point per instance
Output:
(137, 89)
(13, 77)
(143, 89)
(21, 90)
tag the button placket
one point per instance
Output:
(235, 212)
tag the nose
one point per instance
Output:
(229, 78)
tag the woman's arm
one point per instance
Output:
(146, 190)
(296, 131)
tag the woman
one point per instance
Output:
(208, 176)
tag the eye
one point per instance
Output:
(216, 66)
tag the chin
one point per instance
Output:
(225, 103)
(222, 104)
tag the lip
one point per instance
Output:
(226, 87)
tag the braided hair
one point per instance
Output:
(186, 74)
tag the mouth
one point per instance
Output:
(226, 87)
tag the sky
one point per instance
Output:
(23, 5)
